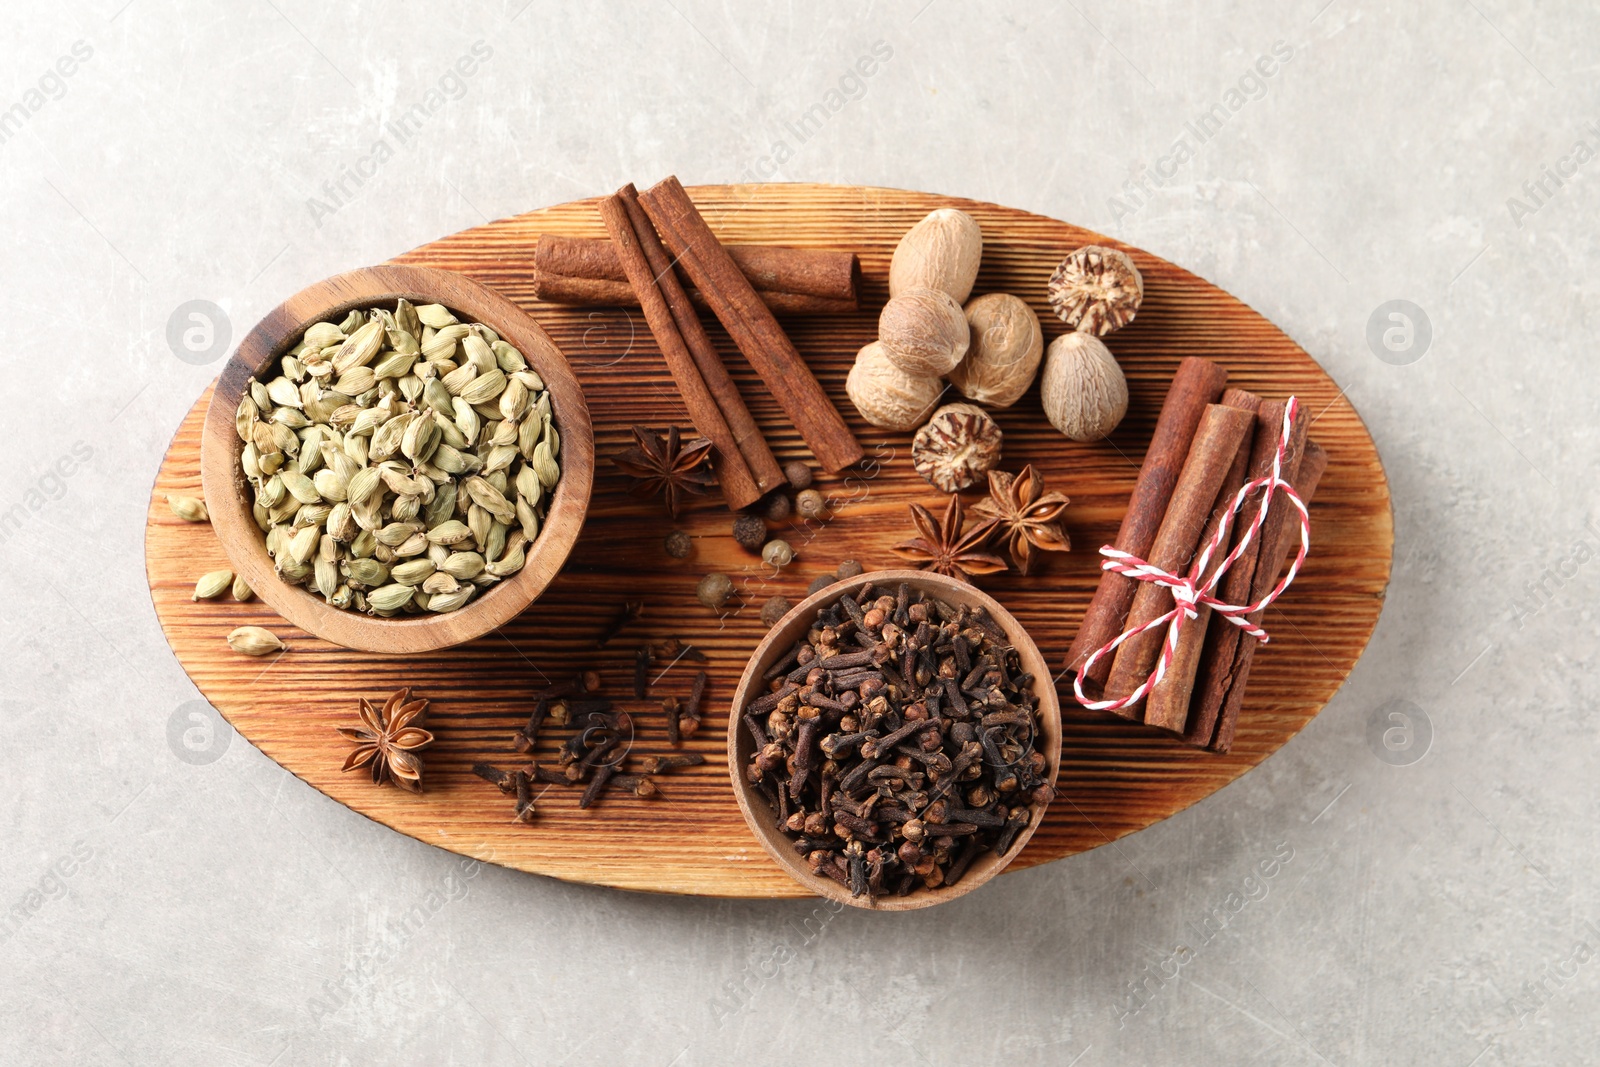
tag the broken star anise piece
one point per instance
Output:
(664, 464)
(388, 742)
(944, 549)
(1025, 515)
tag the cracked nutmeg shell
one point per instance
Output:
(958, 446)
(1096, 290)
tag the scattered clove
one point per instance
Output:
(631, 611)
(659, 764)
(691, 710)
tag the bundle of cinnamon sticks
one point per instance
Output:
(645, 227)
(1207, 444)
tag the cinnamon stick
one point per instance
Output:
(1214, 674)
(1198, 382)
(576, 270)
(750, 323)
(1168, 704)
(1216, 443)
(752, 446)
(733, 474)
(1274, 552)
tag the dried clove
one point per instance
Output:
(691, 710)
(631, 611)
(896, 742)
(659, 764)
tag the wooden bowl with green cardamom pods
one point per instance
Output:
(941, 783)
(230, 497)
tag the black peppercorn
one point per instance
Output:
(777, 507)
(750, 531)
(679, 544)
(774, 609)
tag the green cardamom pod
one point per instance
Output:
(368, 572)
(440, 582)
(359, 350)
(388, 599)
(544, 465)
(326, 578)
(507, 358)
(449, 532)
(509, 565)
(485, 387)
(212, 585)
(254, 641)
(341, 524)
(478, 353)
(463, 565)
(395, 364)
(435, 315)
(188, 508)
(300, 487)
(412, 571)
(396, 533)
(420, 439)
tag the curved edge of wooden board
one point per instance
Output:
(1089, 726)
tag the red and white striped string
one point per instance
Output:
(1188, 591)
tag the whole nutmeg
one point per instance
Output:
(777, 553)
(810, 504)
(1003, 356)
(959, 445)
(750, 531)
(798, 473)
(923, 332)
(887, 396)
(1084, 392)
(714, 590)
(774, 609)
(940, 252)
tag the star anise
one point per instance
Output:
(944, 549)
(663, 463)
(388, 742)
(1025, 515)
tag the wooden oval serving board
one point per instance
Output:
(1116, 777)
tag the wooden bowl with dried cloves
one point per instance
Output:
(397, 459)
(895, 740)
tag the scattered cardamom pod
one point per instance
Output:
(212, 585)
(188, 508)
(242, 590)
(254, 641)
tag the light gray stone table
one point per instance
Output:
(1430, 900)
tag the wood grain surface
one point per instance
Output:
(1116, 777)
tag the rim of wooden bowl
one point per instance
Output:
(778, 641)
(228, 499)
